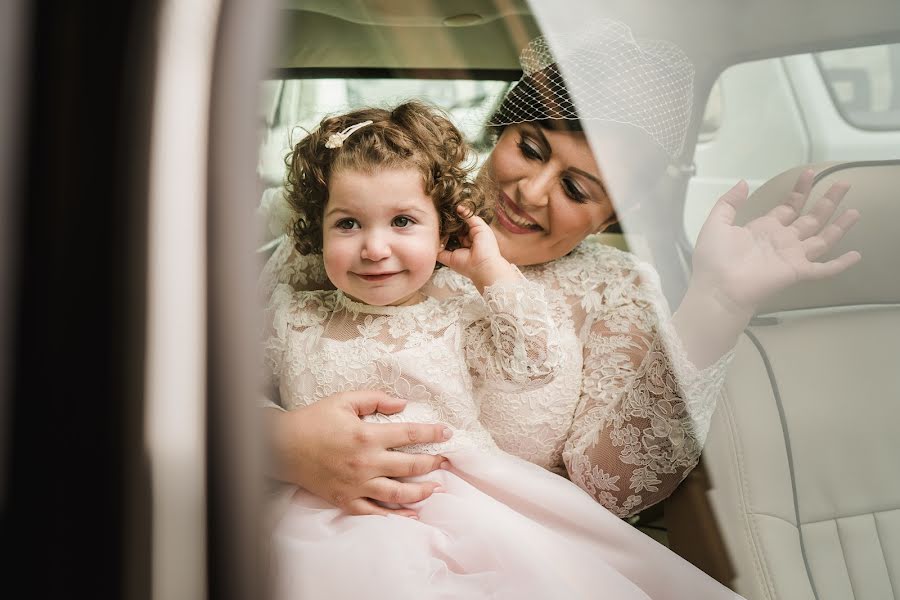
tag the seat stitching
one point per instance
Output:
(884, 556)
(862, 514)
(771, 516)
(837, 527)
(787, 446)
(758, 550)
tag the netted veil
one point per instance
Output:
(610, 75)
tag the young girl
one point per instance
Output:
(379, 193)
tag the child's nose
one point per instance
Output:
(375, 247)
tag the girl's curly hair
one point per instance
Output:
(413, 134)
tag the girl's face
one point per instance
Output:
(549, 193)
(381, 236)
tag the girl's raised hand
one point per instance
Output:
(479, 256)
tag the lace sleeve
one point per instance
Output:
(286, 311)
(514, 345)
(287, 266)
(645, 409)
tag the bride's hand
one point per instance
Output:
(328, 450)
(742, 265)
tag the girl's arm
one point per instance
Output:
(515, 345)
(645, 408)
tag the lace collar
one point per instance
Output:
(348, 304)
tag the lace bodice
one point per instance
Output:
(627, 414)
(434, 354)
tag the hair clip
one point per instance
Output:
(336, 140)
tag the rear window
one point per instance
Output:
(865, 84)
(294, 106)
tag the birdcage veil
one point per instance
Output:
(611, 76)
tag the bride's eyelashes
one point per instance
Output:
(573, 190)
(531, 151)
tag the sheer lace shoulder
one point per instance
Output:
(287, 266)
(644, 410)
(287, 311)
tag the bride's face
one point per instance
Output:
(548, 192)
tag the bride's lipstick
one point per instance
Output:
(513, 218)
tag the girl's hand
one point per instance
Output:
(740, 266)
(326, 449)
(479, 258)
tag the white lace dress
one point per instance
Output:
(433, 354)
(627, 414)
(503, 527)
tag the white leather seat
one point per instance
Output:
(804, 450)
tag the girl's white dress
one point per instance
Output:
(502, 527)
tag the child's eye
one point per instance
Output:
(402, 222)
(347, 224)
(573, 191)
(529, 150)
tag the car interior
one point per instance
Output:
(776, 510)
(805, 430)
(143, 146)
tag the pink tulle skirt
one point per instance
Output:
(502, 529)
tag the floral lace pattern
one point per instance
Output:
(644, 410)
(433, 354)
(626, 416)
(287, 266)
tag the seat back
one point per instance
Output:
(804, 450)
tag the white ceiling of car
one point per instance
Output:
(488, 34)
(419, 13)
(466, 34)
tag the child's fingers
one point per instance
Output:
(475, 222)
(464, 211)
(471, 219)
(452, 257)
(445, 256)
